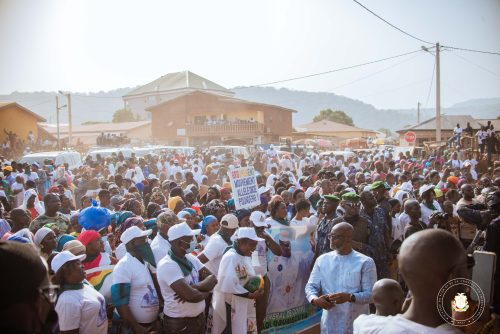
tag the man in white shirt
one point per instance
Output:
(443, 258)
(212, 254)
(457, 134)
(133, 290)
(184, 282)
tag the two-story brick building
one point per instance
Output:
(186, 109)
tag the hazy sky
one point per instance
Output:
(92, 45)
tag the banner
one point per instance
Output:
(288, 310)
(244, 187)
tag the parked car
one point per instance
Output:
(72, 158)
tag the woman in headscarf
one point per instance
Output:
(32, 204)
(45, 240)
(278, 213)
(209, 226)
(215, 208)
(176, 204)
(133, 205)
(62, 240)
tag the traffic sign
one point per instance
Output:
(410, 137)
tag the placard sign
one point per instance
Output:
(244, 187)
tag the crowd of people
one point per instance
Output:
(387, 233)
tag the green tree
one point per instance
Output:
(337, 116)
(125, 115)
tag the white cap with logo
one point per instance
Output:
(258, 218)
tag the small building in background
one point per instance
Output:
(133, 132)
(336, 132)
(19, 120)
(426, 130)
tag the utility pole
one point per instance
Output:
(438, 95)
(57, 117)
(418, 112)
(70, 123)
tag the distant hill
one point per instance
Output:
(100, 106)
(364, 115)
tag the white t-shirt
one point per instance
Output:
(214, 251)
(20, 195)
(426, 212)
(168, 272)
(305, 221)
(160, 247)
(143, 301)
(397, 324)
(84, 309)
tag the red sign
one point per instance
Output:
(410, 137)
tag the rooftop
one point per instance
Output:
(448, 122)
(178, 81)
(4, 104)
(95, 128)
(328, 126)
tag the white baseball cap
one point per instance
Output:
(60, 259)
(424, 188)
(132, 233)
(229, 221)
(249, 233)
(181, 230)
(258, 218)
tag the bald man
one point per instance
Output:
(443, 258)
(341, 282)
(388, 297)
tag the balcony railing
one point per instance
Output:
(194, 130)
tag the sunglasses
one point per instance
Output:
(352, 204)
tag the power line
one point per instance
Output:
(430, 86)
(392, 25)
(332, 71)
(477, 65)
(471, 50)
(375, 73)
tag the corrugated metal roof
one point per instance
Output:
(328, 126)
(8, 103)
(448, 122)
(178, 81)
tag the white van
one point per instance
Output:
(107, 152)
(72, 158)
(220, 151)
